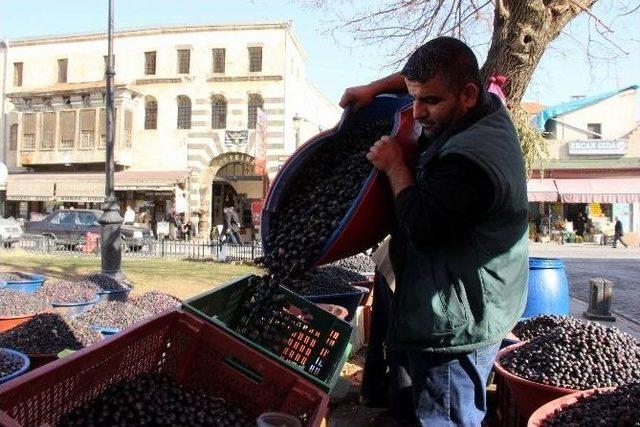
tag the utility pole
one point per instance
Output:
(111, 220)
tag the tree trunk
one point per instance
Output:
(522, 30)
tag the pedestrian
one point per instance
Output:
(187, 230)
(580, 224)
(176, 221)
(129, 216)
(232, 225)
(459, 245)
(618, 233)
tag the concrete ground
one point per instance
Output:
(584, 262)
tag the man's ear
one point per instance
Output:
(469, 95)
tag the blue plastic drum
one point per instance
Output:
(548, 288)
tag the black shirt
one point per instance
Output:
(450, 199)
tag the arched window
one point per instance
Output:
(255, 102)
(218, 112)
(150, 113)
(184, 112)
(13, 137)
(235, 169)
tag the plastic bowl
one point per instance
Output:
(349, 300)
(117, 295)
(549, 408)
(338, 311)
(25, 365)
(29, 285)
(73, 308)
(368, 285)
(7, 323)
(528, 395)
(104, 330)
(277, 419)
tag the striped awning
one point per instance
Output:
(542, 190)
(86, 187)
(29, 190)
(599, 190)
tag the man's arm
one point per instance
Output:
(359, 96)
(452, 198)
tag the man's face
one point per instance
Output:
(437, 106)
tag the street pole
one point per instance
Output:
(111, 220)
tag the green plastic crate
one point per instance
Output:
(318, 347)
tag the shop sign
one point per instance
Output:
(598, 147)
(595, 209)
(236, 137)
(256, 212)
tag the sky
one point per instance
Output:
(333, 63)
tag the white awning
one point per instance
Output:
(29, 190)
(542, 190)
(86, 187)
(599, 190)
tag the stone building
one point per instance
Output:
(593, 169)
(199, 110)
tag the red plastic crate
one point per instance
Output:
(195, 352)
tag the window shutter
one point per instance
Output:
(48, 130)
(67, 129)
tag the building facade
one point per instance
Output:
(593, 168)
(201, 111)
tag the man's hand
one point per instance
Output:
(358, 96)
(386, 155)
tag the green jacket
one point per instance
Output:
(464, 295)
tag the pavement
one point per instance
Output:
(583, 262)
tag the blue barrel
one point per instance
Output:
(548, 291)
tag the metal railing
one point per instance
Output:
(202, 250)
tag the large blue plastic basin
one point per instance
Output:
(30, 284)
(548, 288)
(25, 365)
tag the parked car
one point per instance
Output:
(10, 231)
(70, 226)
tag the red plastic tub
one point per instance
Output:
(195, 352)
(528, 395)
(548, 409)
(7, 323)
(368, 220)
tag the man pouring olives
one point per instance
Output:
(459, 245)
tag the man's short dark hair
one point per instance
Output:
(446, 56)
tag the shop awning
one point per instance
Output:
(27, 187)
(87, 187)
(149, 180)
(83, 191)
(599, 190)
(542, 190)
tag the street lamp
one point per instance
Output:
(111, 220)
